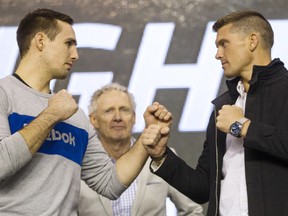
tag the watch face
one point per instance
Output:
(235, 129)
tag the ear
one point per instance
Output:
(94, 121)
(254, 41)
(134, 118)
(39, 40)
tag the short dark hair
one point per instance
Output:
(39, 20)
(247, 21)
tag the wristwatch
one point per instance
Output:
(236, 127)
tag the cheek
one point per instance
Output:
(241, 60)
(104, 129)
(99, 122)
(234, 57)
(238, 52)
(103, 123)
(131, 124)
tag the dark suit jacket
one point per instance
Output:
(266, 148)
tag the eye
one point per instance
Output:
(126, 110)
(71, 43)
(222, 44)
(108, 111)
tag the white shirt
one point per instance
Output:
(233, 194)
(123, 205)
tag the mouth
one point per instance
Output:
(118, 127)
(69, 65)
(223, 63)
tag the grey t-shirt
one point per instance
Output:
(48, 183)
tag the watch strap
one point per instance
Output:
(243, 120)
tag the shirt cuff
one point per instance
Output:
(155, 167)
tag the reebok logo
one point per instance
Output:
(65, 137)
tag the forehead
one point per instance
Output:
(67, 31)
(224, 30)
(113, 97)
(226, 33)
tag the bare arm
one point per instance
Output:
(129, 165)
(60, 107)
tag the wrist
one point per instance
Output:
(161, 157)
(245, 128)
(236, 129)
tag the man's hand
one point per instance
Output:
(157, 114)
(154, 139)
(62, 105)
(227, 116)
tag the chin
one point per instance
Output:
(120, 137)
(61, 76)
(229, 75)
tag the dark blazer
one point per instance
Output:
(266, 148)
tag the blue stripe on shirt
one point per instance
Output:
(65, 139)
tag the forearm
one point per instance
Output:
(14, 155)
(130, 164)
(38, 130)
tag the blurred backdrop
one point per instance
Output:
(162, 50)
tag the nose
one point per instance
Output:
(74, 54)
(117, 115)
(218, 54)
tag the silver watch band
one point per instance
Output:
(243, 120)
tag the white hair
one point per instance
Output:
(112, 86)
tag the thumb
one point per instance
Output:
(165, 130)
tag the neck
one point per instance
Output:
(116, 148)
(263, 60)
(33, 77)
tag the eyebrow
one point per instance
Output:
(72, 40)
(221, 41)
